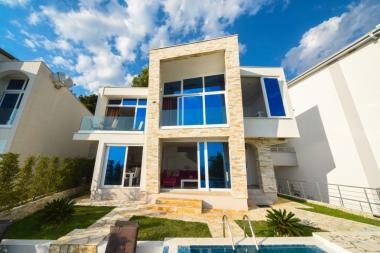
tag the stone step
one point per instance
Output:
(194, 203)
(176, 209)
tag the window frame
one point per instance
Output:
(138, 105)
(202, 94)
(267, 108)
(105, 161)
(20, 93)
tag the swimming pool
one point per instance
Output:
(251, 249)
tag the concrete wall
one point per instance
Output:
(337, 112)
(47, 119)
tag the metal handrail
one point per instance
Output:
(224, 220)
(246, 218)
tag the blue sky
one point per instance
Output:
(105, 43)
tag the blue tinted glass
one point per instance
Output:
(15, 84)
(214, 83)
(169, 111)
(6, 108)
(140, 119)
(115, 165)
(274, 97)
(129, 101)
(202, 171)
(172, 88)
(193, 110)
(193, 85)
(114, 101)
(215, 109)
(142, 101)
(218, 165)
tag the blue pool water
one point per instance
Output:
(251, 249)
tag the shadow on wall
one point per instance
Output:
(313, 151)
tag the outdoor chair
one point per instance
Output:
(123, 237)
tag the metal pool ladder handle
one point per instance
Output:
(246, 218)
(225, 220)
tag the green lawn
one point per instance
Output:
(333, 212)
(261, 228)
(156, 229)
(35, 227)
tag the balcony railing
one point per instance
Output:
(91, 123)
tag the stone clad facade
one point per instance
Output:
(234, 132)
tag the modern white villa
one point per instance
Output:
(32, 106)
(337, 104)
(206, 128)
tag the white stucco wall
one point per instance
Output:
(337, 112)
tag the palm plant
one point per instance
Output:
(59, 210)
(284, 223)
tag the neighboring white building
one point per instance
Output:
(337, 108)
(35, 116)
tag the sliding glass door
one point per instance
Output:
(213, 165)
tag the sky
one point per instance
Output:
(106, 43)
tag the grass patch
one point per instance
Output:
(261, 229)
(35, 227)
(156, 229)
(333, 212)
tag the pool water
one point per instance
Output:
(251, 249)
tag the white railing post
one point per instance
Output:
(340, 197)
(287, 182)
(366, 196)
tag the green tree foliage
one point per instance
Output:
(8, 170)
(52, 174)
(284, 223)
(142, 79)
(25, 179)
(89, 101)
(41, 179)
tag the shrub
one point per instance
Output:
(52, 174)
(284, 223)
(41, 180)
(8, 171)
(25, 179)
(59, 210)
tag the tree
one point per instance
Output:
(25, 179)
(52, 174)
(142, 79)
(41, 179)
(89, 101)
(8, 171)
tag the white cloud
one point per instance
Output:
(332, 35)
(63, 62)
(13, 3)
(10, 35)
(242, 48)
(34, 18)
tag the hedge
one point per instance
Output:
(39, 176)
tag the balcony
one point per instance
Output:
(121, 123)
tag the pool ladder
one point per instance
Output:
(246, 218)
(225, 221)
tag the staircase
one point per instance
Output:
(175, 205)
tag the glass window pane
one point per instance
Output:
(114, 101)
(129, 101)
(193, 110)
(140, 119)
(133, 167)
(272, 88)
(6, 108)
(169, 111)
(202, 171)
(115, 165)
(215, 109)
(142, 101)
(180, 111)
(15, 84)
(172, 88)
(214, 83)
(193, 85)
(218, 165)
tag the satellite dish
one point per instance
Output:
(59, 80)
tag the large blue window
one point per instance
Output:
(202, 166)
(215, 109)
(115, 165)
(194, 101)
(218, 165)
(140, 119)
(274, 97)
(193, 110)
(126, 114)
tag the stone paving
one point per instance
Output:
(337, 226)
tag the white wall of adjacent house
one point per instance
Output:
(337, 112)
